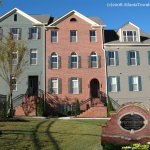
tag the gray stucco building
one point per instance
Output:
(128, 64)
(31, 29)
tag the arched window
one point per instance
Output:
(94, 60)
(54, 60)
(74, 60)
(73, 19)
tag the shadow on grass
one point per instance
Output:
(13, 120)
(55, 144)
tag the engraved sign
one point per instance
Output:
(132, 122)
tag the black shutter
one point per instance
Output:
(59, 62)
(70, 85)
(49, 86)
(30, 33)
(80, 85)
(79, 61)
(39, 33)
(69, 61)
(99, 61)
(49, 62)
(89, 61)
(59, 86)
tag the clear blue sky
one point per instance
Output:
(113, 17)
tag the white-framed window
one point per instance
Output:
(112, 56)
(13, 84)
(54, 36)
(16, 32)
(93, 36)
(133, 58)
(1, 33)
(33, 57)
(135, 84)
(73, 36)
(14, 58)
(113, 84)
(74, 60)
(54, 60)
(130, 36)
(75, 86)
(54, 83)
(35, 33)
(94, 60)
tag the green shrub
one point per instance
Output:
(112, 146)
(110, 107)
(40, 107)
(77, 107)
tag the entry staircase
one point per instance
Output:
(95, 107)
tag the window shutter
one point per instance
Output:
(49, 86)
(99, 61)
(20, 30)
(140, 83)
(59, 86)
(80, 85)
(128, 58)
(79, 61)
(49, 62)
(89, 61)
(30, 33)
(39, 33)
(138, 57)
(149, 57)
(107, 58)
(130, 83)
(10, 30)
(59, 62)
(69, 61)
(70, 85)
(118, 83)
(117, 58)
(109, 84)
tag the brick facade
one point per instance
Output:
(83, 47)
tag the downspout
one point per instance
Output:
(103, 40)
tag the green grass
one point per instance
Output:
(51, 134)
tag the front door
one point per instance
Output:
(94, 88)
(33, 85)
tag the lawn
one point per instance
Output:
(51, 134)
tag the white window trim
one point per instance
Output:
(17, 35)
(135, 84)
(56, 86)
(56, 38)
(35, 51)
(37, 33)
(16, 85)
(93, 36)
(96, 60)
(114, 84)
(74, 36)
(113, 58)
(76, 62)
(52, 62)
(16, 58)
(75, 87)
(126, 36)
(134, 58)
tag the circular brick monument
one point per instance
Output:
(129, 124)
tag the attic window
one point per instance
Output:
(15, 17)
(73, 19)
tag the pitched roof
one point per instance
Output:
(42, 18)
(95, 21)
(111, 37)
(35, 21)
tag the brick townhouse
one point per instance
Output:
(75, 61)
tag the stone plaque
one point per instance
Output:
(132, 122)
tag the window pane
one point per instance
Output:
(54, 36)
(55, 86)
(72, 36)
(33, 57)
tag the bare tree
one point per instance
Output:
(12, 64)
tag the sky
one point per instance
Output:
(113, 16)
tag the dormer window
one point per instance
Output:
(130, 36)
(73, 19)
